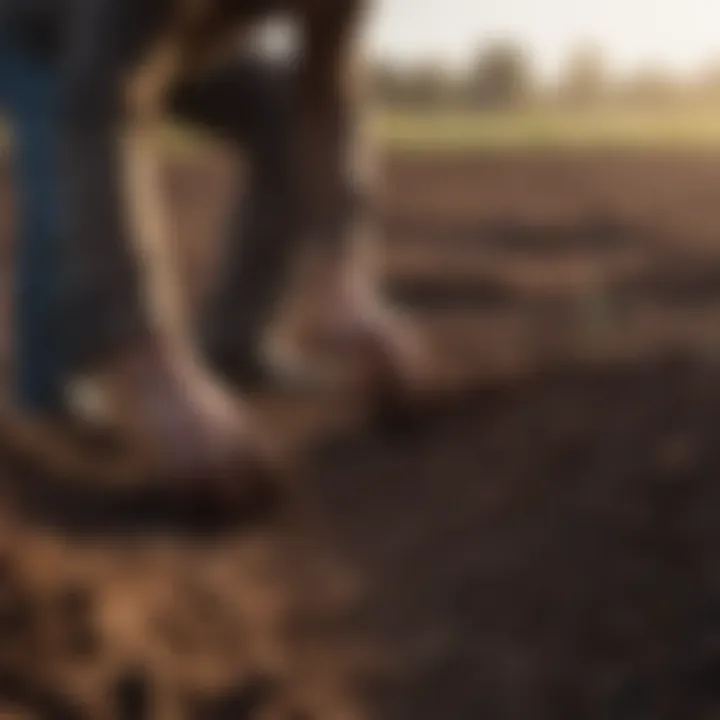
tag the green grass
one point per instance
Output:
(692, 127)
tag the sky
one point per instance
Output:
(682, 35)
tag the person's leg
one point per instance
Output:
(27, 85)
(130, 352)
(335, 177)
(304, 191)
(248, 101)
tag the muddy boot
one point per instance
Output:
(383, 364)
(342, 339)
(183, 421)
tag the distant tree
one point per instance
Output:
(708, 79)
(386, 84)
(426, 85)
(422, 85)
(584, 77)
(501, 76)
(653, 85)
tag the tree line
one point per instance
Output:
(503, 75)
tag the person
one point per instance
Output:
(92, 265)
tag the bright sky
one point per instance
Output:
(680, 34)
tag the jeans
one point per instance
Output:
(27, 89)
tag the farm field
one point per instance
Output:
(692, 126)
(546, 547)
(680, 126)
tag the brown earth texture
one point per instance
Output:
(545, 546)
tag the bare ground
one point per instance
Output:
(546, 547)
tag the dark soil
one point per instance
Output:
(546, 547)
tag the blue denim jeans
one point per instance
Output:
(27, 90)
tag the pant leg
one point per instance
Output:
(248, 101)
(102, 306)
(27, 85)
